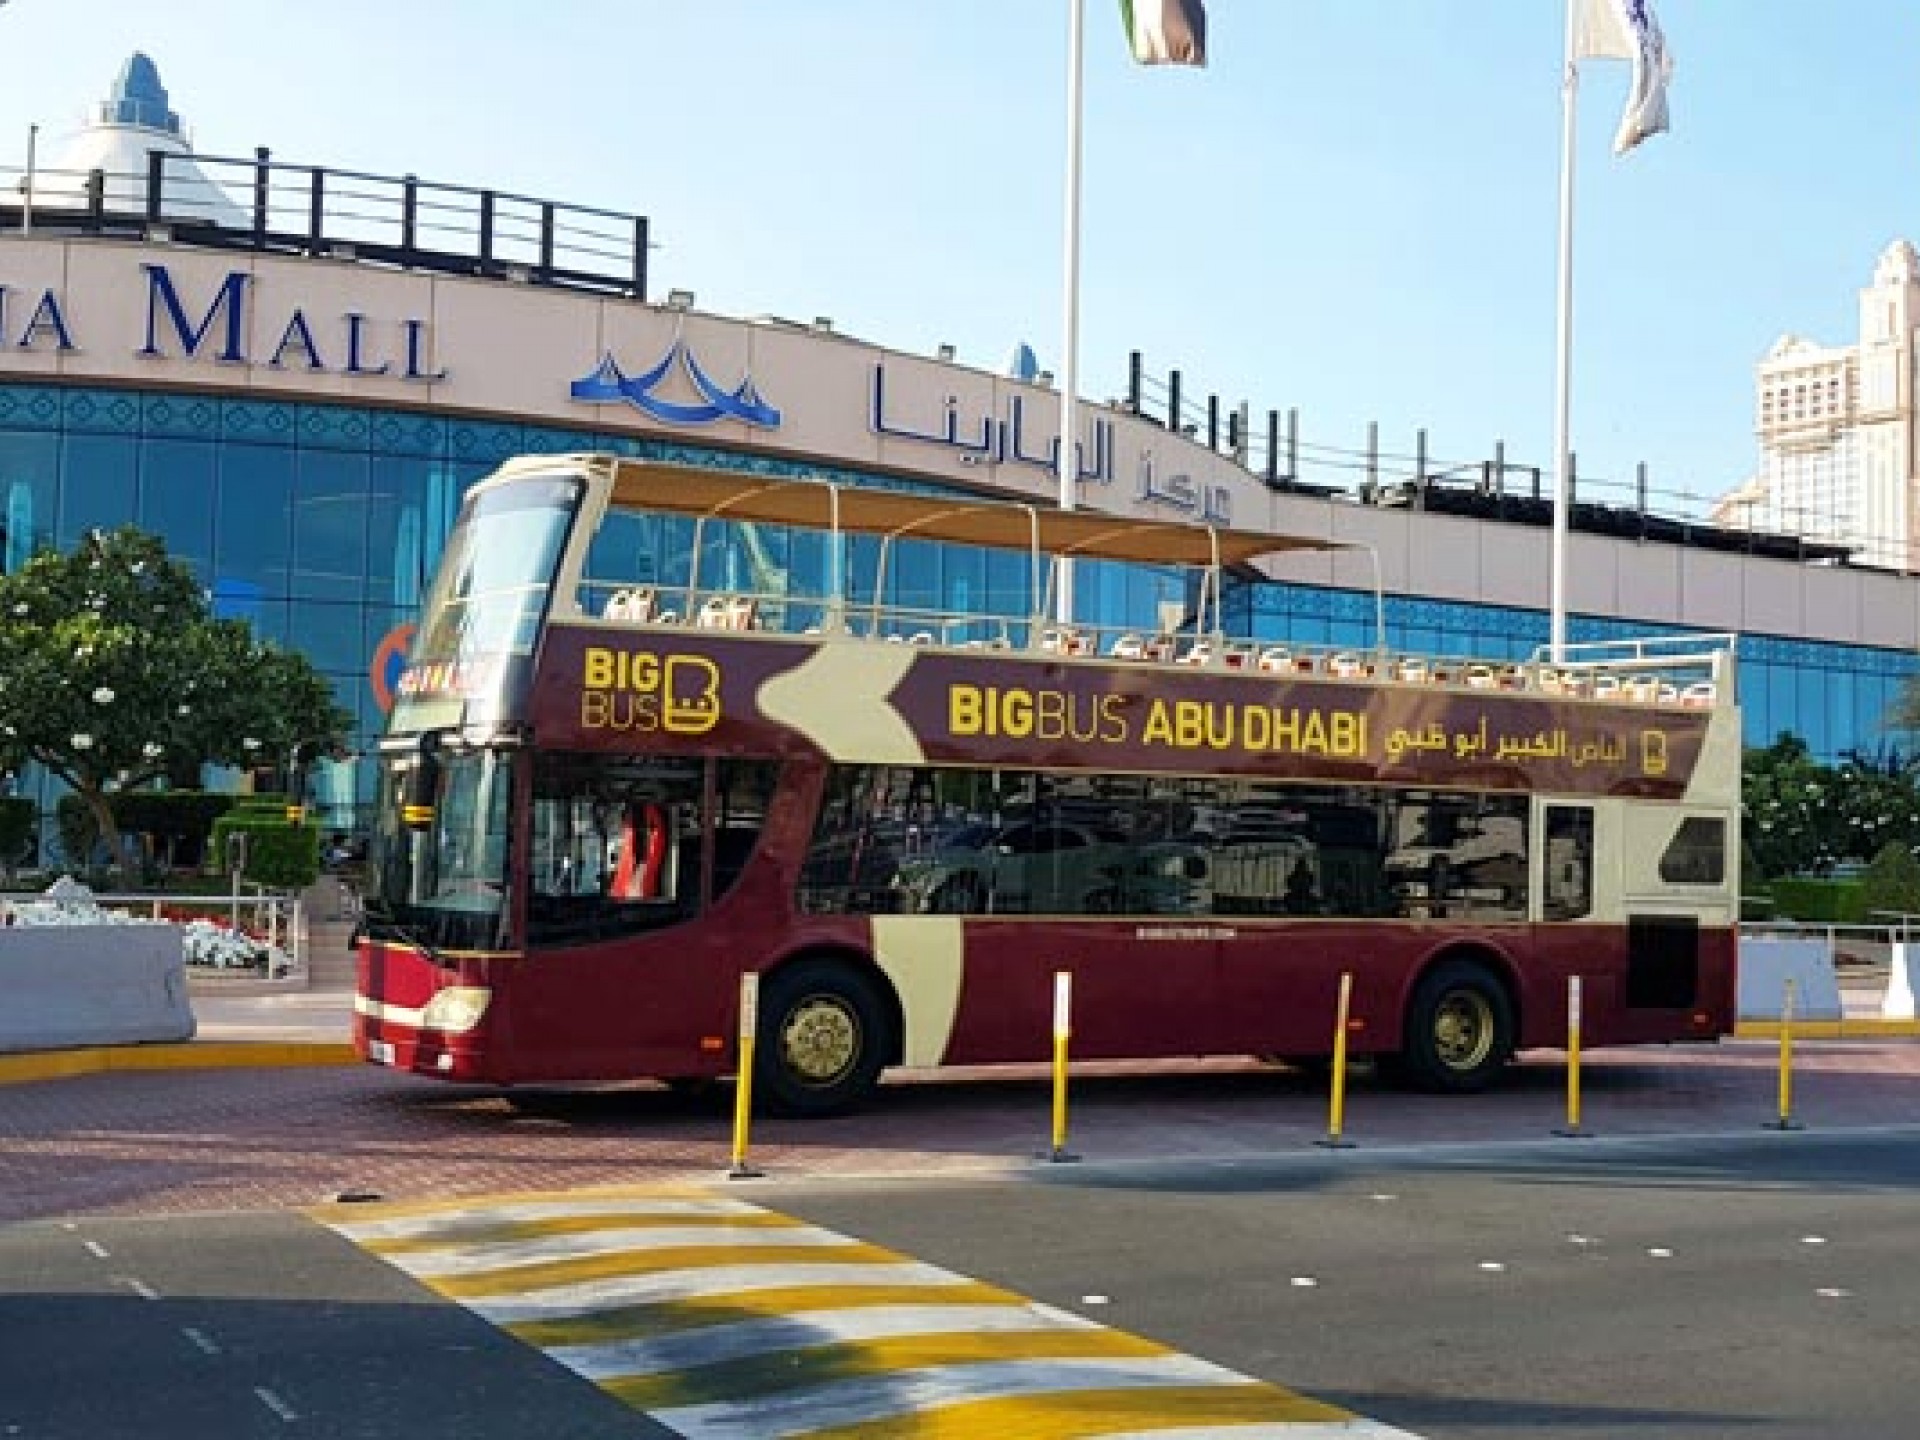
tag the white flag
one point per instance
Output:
(1166, 32)
(1626, 30)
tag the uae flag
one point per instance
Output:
(1166, 32)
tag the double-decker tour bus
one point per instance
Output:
(662, 726)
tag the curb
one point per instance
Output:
(201, 1055)
(1864, 1028)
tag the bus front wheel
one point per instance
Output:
(820, 1042)
(1459, 1030)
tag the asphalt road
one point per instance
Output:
(248, 1326)
(1762, 1285)
(1758, 1285)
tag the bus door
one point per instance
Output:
(1678, 884)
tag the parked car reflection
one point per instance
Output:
(1053, 867)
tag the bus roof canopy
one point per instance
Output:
(662, 488)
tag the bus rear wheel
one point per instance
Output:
(1459, 1030)
(821, 1039)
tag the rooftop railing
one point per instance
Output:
(261, 204)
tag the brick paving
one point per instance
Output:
(190, 1141)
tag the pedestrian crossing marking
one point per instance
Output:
(755, 1378)
(1251, 1410)
(775, 1334)
(574, 1254)
(722, 1319)
(508, 1232)
(701, 1312)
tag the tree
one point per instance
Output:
(1891, 885)
(114, 673)
(1792, 822)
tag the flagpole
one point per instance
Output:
(1067, 461)
(1563, 370)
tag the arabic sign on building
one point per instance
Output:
(316, 328)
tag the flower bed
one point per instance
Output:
(207, 944)
(213, 946)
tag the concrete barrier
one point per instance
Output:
(1767, 962)
(69, 985)
(1897, 1004)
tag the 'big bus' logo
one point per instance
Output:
(639, 690)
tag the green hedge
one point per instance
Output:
(1831, 902)
(283, 856)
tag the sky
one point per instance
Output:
(1352, 212)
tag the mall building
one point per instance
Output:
(291, 375)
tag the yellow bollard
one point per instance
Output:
(1572, 1129)
(1062, 1031)
(1337, 1100)
(1786, 1120)
(743, 1086)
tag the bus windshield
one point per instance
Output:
(488, 599)
(443, 885)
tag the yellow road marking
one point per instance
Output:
(764, 1375)
(548, 1274)
(671, 1317)
(1082, 1413)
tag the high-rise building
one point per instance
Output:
(1838, 445)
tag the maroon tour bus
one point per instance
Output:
(613, 784)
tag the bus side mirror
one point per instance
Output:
(421, 786)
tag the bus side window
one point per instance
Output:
(1569, 863)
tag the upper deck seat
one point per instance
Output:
(1348, 666)
(635, 604)
(1700, 693)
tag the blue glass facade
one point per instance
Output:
(320, 524)
(1835, 697)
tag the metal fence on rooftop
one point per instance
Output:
(411, 224)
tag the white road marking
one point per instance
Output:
(670, 1285)
(506, 1254)
(202, 1341)
(96, 1249)
(800, 1330)
(274, 1403)
(854, 1402)
(140, 1288)
(452, 1225)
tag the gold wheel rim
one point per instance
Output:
(821, 1040)
(1463, 1030)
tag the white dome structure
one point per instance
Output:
(130, 122)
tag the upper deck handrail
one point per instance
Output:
(657, 487)
(1688, 671)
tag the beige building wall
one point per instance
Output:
(334, 330)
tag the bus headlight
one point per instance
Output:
(456, 1009)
